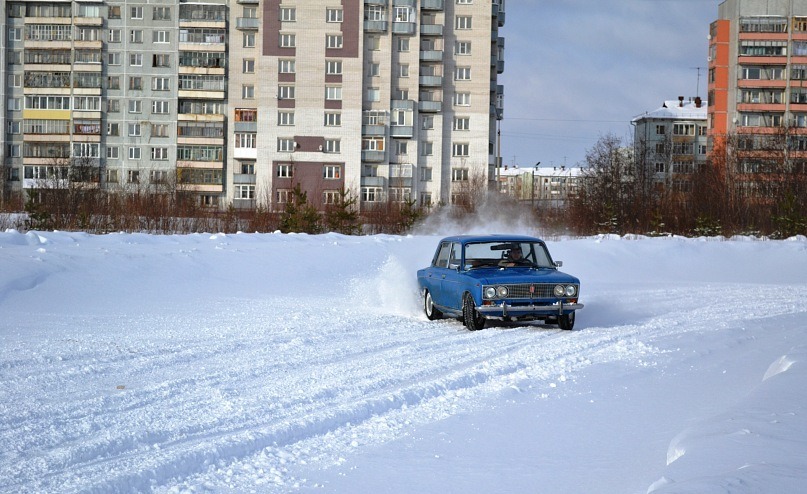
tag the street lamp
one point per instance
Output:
(532, 194)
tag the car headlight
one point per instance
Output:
(501, 291)
(490, 292)
(559, 290)
(571, 290)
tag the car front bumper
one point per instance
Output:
(504, 309)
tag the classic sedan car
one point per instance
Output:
(508, 278)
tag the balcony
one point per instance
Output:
(402, 104)
(405, 131)
(376, 2)
(431, 56)
(373, 130)
(244, 178)
(403, 3)
(432, 4)
(245, 126)
(431, 29)
(372, 156)
(408, 28)
(247, 23)
(430, 106)
(500, 66)
(373, 181)
(431, 80)
(375, 26)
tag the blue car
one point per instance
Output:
(502, 277)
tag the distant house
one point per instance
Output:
(540, 186)
(672, 141)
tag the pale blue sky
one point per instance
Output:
(576, 70)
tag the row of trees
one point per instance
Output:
(753, 186)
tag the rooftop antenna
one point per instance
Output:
(698, 89)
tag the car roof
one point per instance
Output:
(466, 239)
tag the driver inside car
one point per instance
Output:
(514, 258)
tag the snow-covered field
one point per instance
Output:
(292, 363)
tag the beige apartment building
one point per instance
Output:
(238, 102)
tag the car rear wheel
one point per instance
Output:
(566, 321)
(432, 312)
(473, 319)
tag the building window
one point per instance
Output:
(159, 154)
(403, 70)
(333, 15)
(462, 74)
(427, 148)
(161, 37)
(333, 119)
(249, 40)
(248, 66)
(162, 14)
(462, 123)
(246, 140)
(333, 67)
(372, 194)
(462, 99)
(661, 130)
(283, 196)
(462, 22)
(134, 154)
(160, 107)
(330, 196)
(460, 149)
(288, 14)
(285, 145)
(333, 93)
(462, 48)
(285, 92)
(401, 148)
(248, 91)
(245, 192)
(285, 66)
(285, 171)
(426, 174)
(684, 129)
(373, 43)
(332, 172)
(332, 146)
(136, 36)
(286, 40)
(136, 59)
(135, 106)
(113, 152)
(373, 94)
(333, 41)
(136, 13)
(160, 83)
(159, 130)
(134, 129)
(459, 174)
(403, 44)
(285, 118)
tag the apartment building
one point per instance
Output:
(239, 102)
(672, 141)
(758, 73)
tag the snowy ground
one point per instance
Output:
(293, 363)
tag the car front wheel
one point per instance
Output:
(473, 319)
(432, 312)
(566, 321)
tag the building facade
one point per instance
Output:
(239, 102)
(672, 142)
(541, 187)
(758, 72)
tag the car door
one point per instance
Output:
(453, 280)
(437, 274)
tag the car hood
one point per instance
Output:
(505, 276)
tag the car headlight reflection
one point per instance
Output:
(571, 290)
(501, 291)
(490, 292)
(559, 290)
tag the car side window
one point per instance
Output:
(442, 256)
(456, 256)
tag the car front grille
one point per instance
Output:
(530, 290)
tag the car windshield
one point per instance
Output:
(507, 254)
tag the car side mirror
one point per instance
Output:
(454, 266)
(558, 264)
